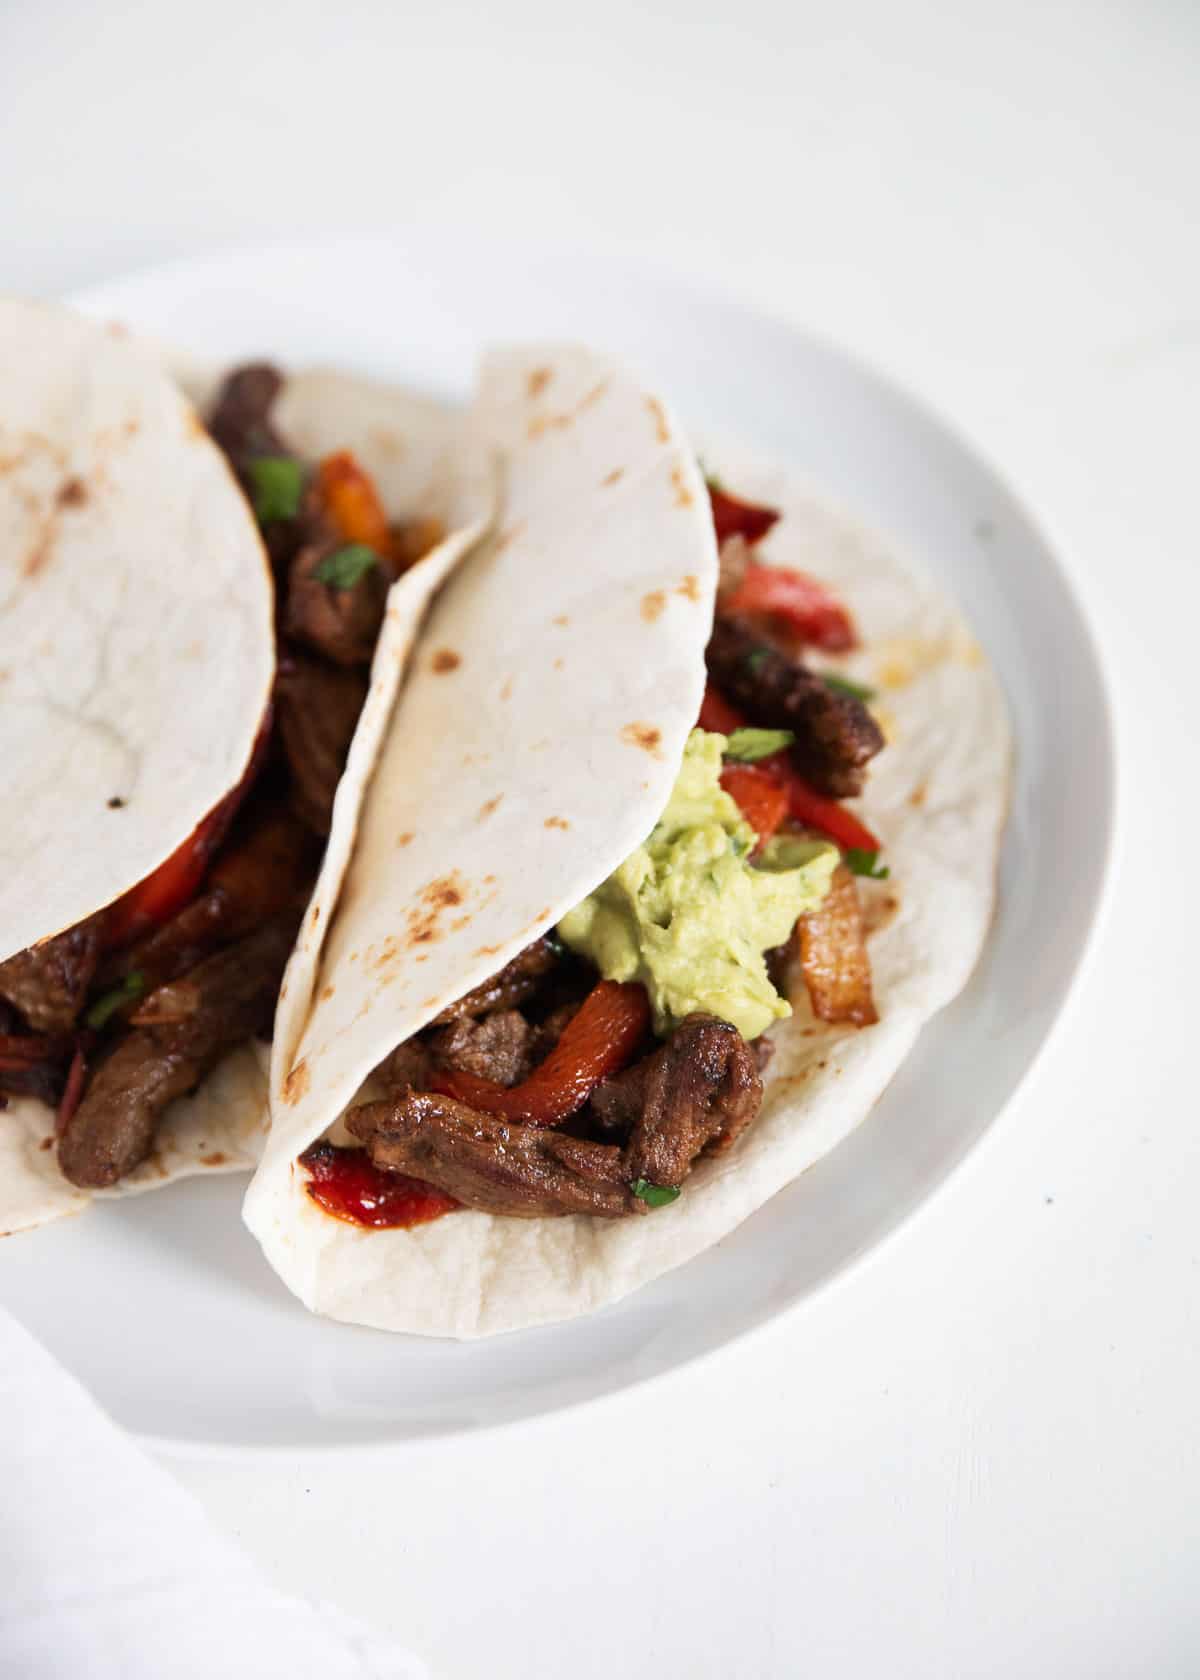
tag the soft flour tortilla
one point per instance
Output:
(533, 746)
(937, 796)
(131, 572)
(430, 469)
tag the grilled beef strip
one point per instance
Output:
(240, 422)
(697, 1092)
(499, 1047)
(33, 1065)
(516, 982)
(228, 999)
(270, 859)
(408, 1065)
(700, 1091)
(317, 705)
(342, 624)
(836, 736)
(49, 982)
(501, 1166)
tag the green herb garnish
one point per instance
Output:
(747, 746)
(852, 690)
(343, 568)
(654, 1195)
(861, 862)
(278, 485)
(754, 661)
(106, 1006)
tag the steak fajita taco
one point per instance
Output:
(669, 851)
(198, 624)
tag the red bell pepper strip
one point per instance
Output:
(761, 797)
(598, 1041)
(735, 518)
(717, 715)
(817, 810)
(803, 803)
(807, 608)
(177, 880)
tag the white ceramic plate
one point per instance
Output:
(163, 1305)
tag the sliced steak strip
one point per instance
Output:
(836, 736)
(240, 422)
(318, 706)
(498, 1047)
(500, 1166)
(515, 982)
(49, 982)
(408, 1065)
(341, 624)
(261, 871)
(227, 1000)
(698, 1092)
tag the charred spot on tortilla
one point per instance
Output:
(548, 422)
(918, 795)
(661, 430)
(47, 1142)
(556, 822)
(72, 493)
(116, 803)
(538, 380)
(683, 496)
(405, 839)
(643, 735)
(560, 664)
(487, 951)
(560, 621)
(506, 692)
(653, 605)
(216, 1159)
(39, 554)
(460, 922)
(614, 477)
(326, 993)
(486, 809)
(297, 1082)
(445, 659)
(445, 893)
(316, 914)
(689, 588)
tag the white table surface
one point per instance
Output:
(976, 1455)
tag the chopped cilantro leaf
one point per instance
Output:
(343, 568)
(852, 690)
(106, 1006)
(747, 746)
(754, 660)
(654, 1195)
(860, 862)
(278, 484)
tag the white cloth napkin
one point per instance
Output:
(110, 1571)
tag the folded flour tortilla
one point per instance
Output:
(512, 783)
(166, 663)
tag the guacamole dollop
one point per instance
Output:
(690, 916)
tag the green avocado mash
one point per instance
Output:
(689, 916)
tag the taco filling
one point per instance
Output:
(111, 1020)
(598, 1066)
